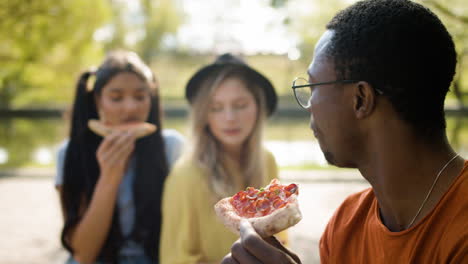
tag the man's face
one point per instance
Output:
(331, 115)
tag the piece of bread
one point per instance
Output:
(270, 210)
(265, 226)
(141, 129)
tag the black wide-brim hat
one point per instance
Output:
(193, 85)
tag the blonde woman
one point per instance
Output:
(229, 104)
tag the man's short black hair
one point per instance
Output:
(401, 48)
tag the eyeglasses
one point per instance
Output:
(303, 89)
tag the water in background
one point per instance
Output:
(33, 142)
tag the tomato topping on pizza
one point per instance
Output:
(260, 202)
(270, 209)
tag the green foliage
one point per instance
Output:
(161, 18)
(146, 26)
(309, 18)
(278, 3)
(454, 14)
(43, 43)
(117, 40)
(174, 70)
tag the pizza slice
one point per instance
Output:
(270, 210)
(142, 129)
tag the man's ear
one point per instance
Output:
(364, 99)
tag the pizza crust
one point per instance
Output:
(265, 226)
(140, 130)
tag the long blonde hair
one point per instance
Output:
(206, 150)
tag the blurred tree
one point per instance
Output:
(118, 25)
(161, 18)
(43, 46)
(278, 3)
(454, 14)
(448, 11)
(142, 27)
(308, 19)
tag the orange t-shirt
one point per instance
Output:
(355, 233)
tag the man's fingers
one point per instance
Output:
(241, 255)
(261, 249)
(246, 227)
(228, 259)
(274, 242)
(254, 244)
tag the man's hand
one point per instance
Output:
(252, 249)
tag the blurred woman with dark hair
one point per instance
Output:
(110, 188)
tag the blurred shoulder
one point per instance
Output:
(172, 136)
(62, 147)
(269, 157)
(270, 166)
(60, 162)
(174, 144)
(186, 170)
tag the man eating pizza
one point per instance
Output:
(375, 94)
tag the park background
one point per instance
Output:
(46, 44)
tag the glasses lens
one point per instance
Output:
(302, 94)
